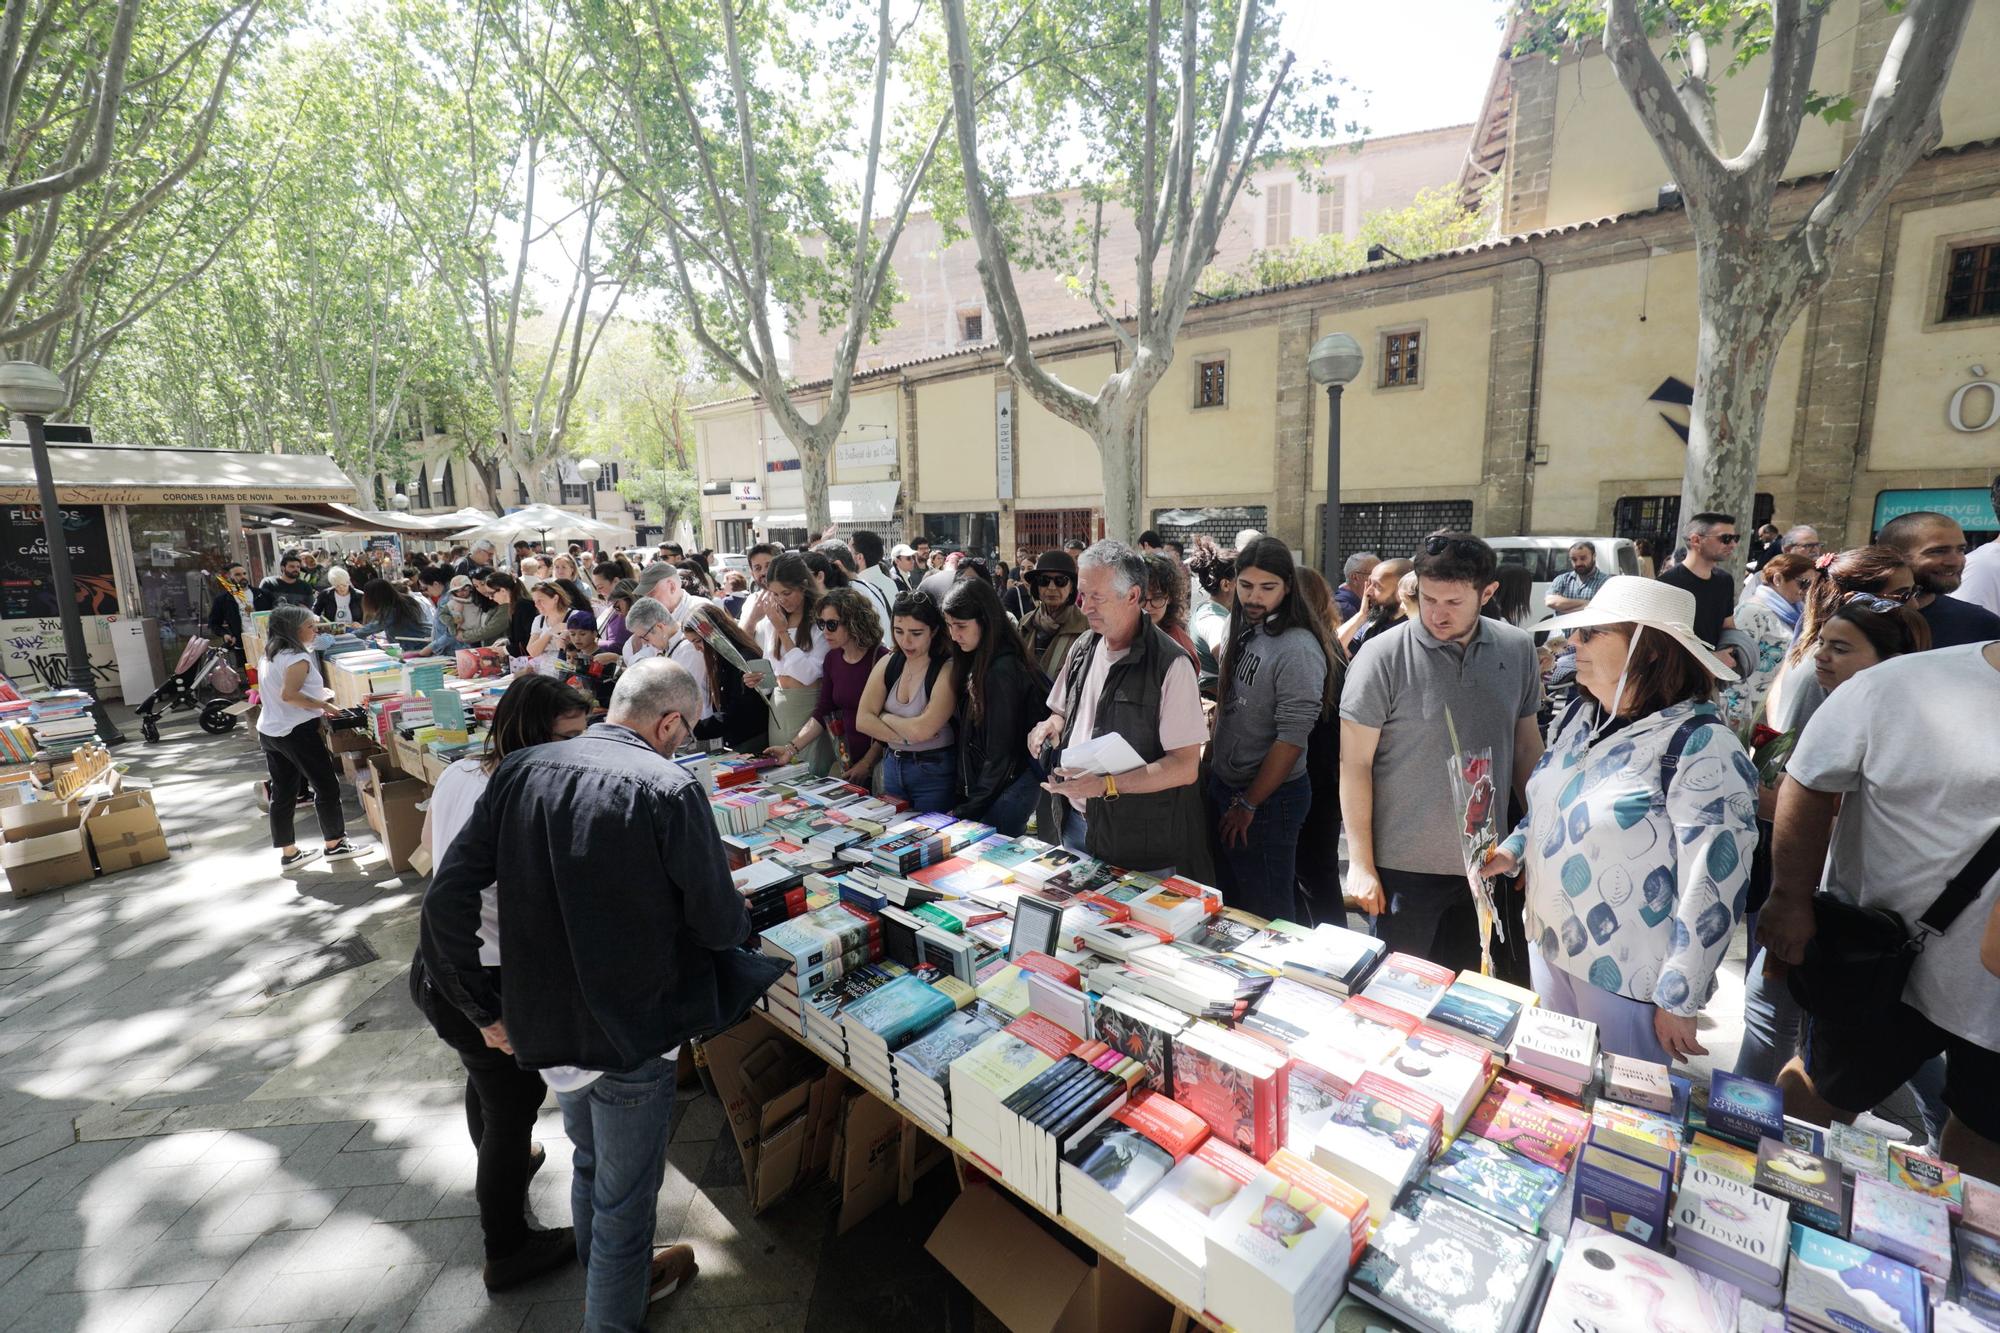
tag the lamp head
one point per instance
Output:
(399, 501)
(1334, 359)
(590, 470)
(31, 390)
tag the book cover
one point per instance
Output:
(1640, 1124)
(1979, 1264)
(1449, 1267)
(1607, 1283)
(1728, 1219)
(1622, 1195)
(1518, 1118)
(1487, 1176)
(1165, 1121)
(1744, 1110)
(1982, 1207)
(1843, 1286)
(1176, 1213)
(1121, 1160)
(1275, 1247)
(1635, 1082)
(1903, 1224)
(1811, 1184)
(930, 1056)
(1477, 1014)
(1140, 1032)
(1913, 1170)
(1330, 957)
(1453, 1072)
(1289, 1012)
(1861, 1152)
(1409, 983)
(1238, 1096)
(1712, 1154)
(1555, 1043)
(1363, 1032)
(1805, 1137)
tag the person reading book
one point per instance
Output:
(853, 637)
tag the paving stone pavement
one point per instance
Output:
(181, 1151)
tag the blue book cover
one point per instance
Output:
(898, 1010)
(1744, 1110)
(1621, 1195)
(1470, 1011)
(1505, 1184)
(1844, 1286)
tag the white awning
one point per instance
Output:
(135, 474)
(859, 503)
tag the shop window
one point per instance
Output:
(1402, 358)
(733, 534)
(1394, 530)
(1277, 215)
(1211, 380)
(1333, 206)
(976, 532)
(423, 488)
(175, 550)
(1972, 281)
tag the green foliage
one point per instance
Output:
(1432, 222)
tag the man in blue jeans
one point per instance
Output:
(615, 901)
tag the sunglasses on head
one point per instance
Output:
(1869, 601)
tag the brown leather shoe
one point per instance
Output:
(672, 1267)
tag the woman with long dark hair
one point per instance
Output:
(908, 705)
(295, 701)
(999, 782)
(783, 619)
(847, 622)
(732, 712)
(391, 611)
(510, 594)
(1166, 601)
(1276, 682)
(501, 1098)
(1318, 864)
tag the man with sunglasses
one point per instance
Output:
(1057, 621)
(1711, 540)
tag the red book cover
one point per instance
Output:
(1164, 1121)
(1114, 909)
(1053, 968)
(1458, 1045)
(795, 902)
(1514, 1117)
(1422, 1106)
(1241, 1101)
(1381, 1013)
(1051, 1039)
(931, 874)
(1231, 1162)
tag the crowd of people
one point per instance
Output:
(1671, 758)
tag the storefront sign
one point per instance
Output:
(1971, 507)
(747, 492)
(866, 453)
(1964, 412)
(25, 589)
(142, 495)
(1003, 443)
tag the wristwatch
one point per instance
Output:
(1241, 802)
(1110, 788)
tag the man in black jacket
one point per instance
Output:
(615, 901)
(285, 587)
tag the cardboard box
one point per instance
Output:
(1032, 1281)
(124, 831)
(350, 740)
(408, 758)
(55, 861)
(389, 800)
(782, 1103)
(39, 818)
(870, 1156)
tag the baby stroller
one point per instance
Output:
(204, 678)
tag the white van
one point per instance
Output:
(1546, 557)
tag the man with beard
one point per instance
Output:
(1935, 547)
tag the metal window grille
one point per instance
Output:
(1220, 525)
(1972, 281)
(1214, 383)
(1400, 358)
(447, 487)
(1395, 530)
(972, 327)
(1047, 529)
(733, 534)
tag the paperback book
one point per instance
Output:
(1143, 1030)
(1449, 1268)
(1744, 1110)
(1278, 1253)
(1831, 1284)
(1636, 1082)
(1236, 1085)
(1607, 1283)
(1507, 1185)
(1166, 1235)
(1408, 983)
(1810, 1184)
(1515, 1116)
(1380, 1136)
(1115, 1165)
(1452, 1071)
(1739, 1230)
(1860, 1151)
(1620, 1194)
(1477, 1014)
(1330, 958)
(1913, 1170)
(1555, 1046)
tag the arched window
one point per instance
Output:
(447, 487)
(423, 488)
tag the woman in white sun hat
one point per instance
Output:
(1640, 823)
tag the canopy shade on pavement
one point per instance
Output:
(137, 475)
(538, 523)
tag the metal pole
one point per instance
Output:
(64, 583)
(1329, 555)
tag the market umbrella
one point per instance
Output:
(541, 522)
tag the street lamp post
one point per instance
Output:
(590, 470)
(1333, 361)
(35, 393)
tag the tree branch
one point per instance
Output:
(109, 94)
(1794, 42)
(1690, 155)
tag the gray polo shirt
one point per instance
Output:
(1401, 686)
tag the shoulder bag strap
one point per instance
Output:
(1963, 887)
(1670, 762)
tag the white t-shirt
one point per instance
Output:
(1181, 722)
(458, 789)
(805, 661)
(276, 717)
(1981, 584)
(1914, 747)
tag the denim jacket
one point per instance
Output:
(615, 902)
(1632, 888)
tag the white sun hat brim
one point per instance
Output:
(1627, 599)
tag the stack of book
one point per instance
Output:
(819, 1013)
(1507, 1185)
(1176, 906)
(1635, 1082)
(1731, 1231)
(1555, 1050)
(984, 1077)
(1832, 1286)
(890, 1018)
(1166, 1234)
(1809, 1183)
(1331, 958)
(1743, 1110)
(923, 1068)
(1903, 1224)
(1473, 1009)
(821, 947)
(1115, 1165)
(1054, 1110)
(772, 890)
(1622, 1183)
(1143, 1029)
(1452, 1070)
(1515, 1116)
(1310, 1093)
(1360, 1036)
(1278, 1255)
(1442, 1267)
(1235, 1084)
(1380, 1136)
(1607, 1283)
(1288, 1013)
(1408, 983)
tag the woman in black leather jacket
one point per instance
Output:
(1000, 701)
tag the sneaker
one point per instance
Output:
(298, 858)
(342, 851)
(543, 1252)
(538, 1157)
(671, 1267)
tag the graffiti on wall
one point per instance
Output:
(32, 655)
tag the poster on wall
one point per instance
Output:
(25, 588)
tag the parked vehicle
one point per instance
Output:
(1546, 557)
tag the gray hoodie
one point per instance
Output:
(1274, 695)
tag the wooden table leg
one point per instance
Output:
(906, 1165)
(1181, 1321)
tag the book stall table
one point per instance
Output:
(1272, 1127)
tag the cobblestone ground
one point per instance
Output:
(180, 1150)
